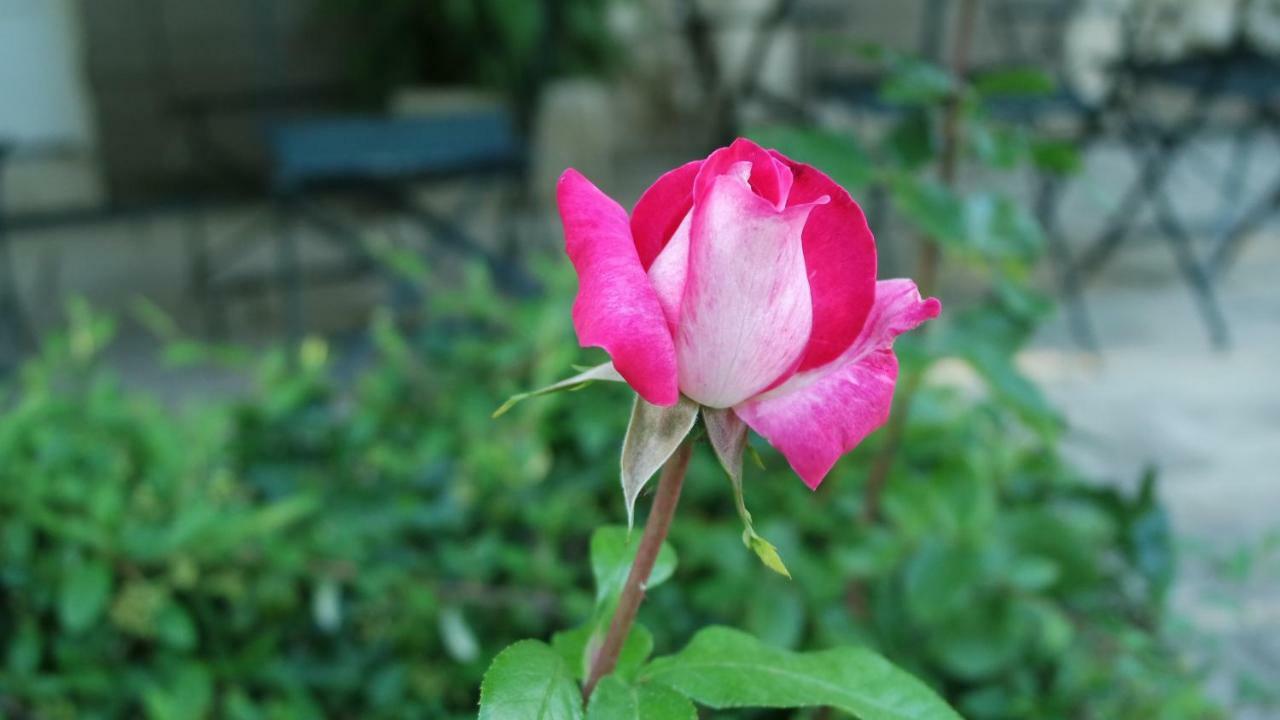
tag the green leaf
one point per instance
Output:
(840, 155)
(767, 553)
(1032, 574)
(24, 649)
(86, 587)
(984, 642)
(1056, 156)
(915, 82)
(174, 627)
(1014, 82)
(776, 615)
(653, 435)
(999, 146)
(1148, 539)
(187, 695)
(725, 668)
(605, 372)
(940, 579)
(613, 699)
(577, 646)
(912, 142)
(933, 208)
(529, 681)
(613, 549)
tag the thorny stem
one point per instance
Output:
(930, 256)
(655, 532)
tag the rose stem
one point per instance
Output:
(930, 258)
(655, 531)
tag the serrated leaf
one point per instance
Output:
(601, 373)
(725, 668)
(84, 592)
(653, 435)
(529, 681)
(613, 549)
(579, 645)
(614, 699)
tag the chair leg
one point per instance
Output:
(1195, 272)
(289, 270)
(200, 270)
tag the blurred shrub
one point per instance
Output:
(361, 548)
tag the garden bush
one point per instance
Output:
(361, 547)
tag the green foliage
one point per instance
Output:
(363, 546)
(720, 668)
(616, 700)
(726, 668)
(529, 681)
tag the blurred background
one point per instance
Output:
(267, 266)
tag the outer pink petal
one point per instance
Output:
(616, 307)
(770, 176)
(840, 252)
(817, 416)
(660, 210)
(745, 313)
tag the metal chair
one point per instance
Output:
(379, 159)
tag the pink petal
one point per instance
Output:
(661, 209)
(770, 177)
(616, 307)
(669, 272)
(840, 252)
(817, 416)
(745, 313)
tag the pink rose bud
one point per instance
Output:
(747, 283)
